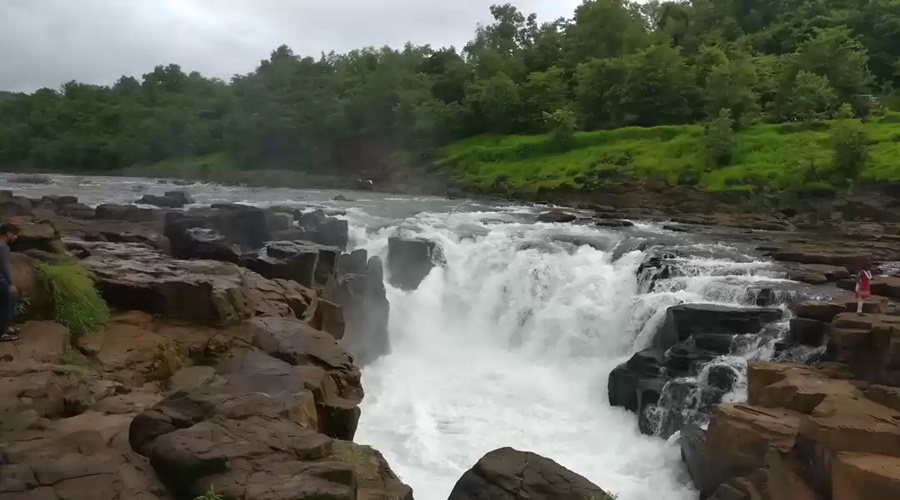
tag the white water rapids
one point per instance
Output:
(511, 342)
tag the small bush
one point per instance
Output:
(210, 494)
(845, 112)
(22, 307)
(720, 139)
(850, 150)
(74, 300)
(562, 125)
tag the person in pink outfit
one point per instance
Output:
(863, 288)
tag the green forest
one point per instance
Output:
(691, 90)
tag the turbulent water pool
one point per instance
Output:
(510, 343)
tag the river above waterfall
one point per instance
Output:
(510, 342)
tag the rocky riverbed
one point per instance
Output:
(228, 365)
(232, 358)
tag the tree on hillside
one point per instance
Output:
(806, 98)
(729, 85)
(718, 134)
(850, 150)
(837, 55)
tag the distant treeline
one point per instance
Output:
(613, 64)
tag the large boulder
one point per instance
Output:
(65, 205)
(660, 383)
(358, 288)
(202, 243)
(860, 476)
(655, 267)
(374, 477)
(410, 260)
(317, 356)
(870, 345)
(13, 206)
(800, 423)
(306, 263)
(693, 454)
(808, 332)
(686, 320)
(317, 227)
(556, 216)
(36, 234)
(509, 474)
(171, 199)
(240, 225)
(133, 276)
(255, 438)
(819, 310)
(277, 221)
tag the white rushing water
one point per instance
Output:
(511, 343)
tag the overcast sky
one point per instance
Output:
(44, 43)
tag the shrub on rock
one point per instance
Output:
(74, 300)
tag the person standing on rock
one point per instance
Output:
(863, 288)
(8, 292)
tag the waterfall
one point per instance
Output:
(511, 341)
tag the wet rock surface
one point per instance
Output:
(510, 474)
(652, 383)
(133, 276)
(317, 227)
(171, 199)
(358, 289)
(410, 260)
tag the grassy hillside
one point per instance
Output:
(776, 157)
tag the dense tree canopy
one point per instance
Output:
(613, 63)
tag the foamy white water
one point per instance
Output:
(510, 345)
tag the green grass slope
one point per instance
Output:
(775, 157)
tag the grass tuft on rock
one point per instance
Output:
(167, 360)
(211, 494)
(75, 302)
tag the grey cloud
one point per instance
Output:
(44, 43)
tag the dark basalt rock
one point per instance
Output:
(358, 288)
(305, 263)
(685, 320)
(410, 260)
(509, 474)
(171, 199)
(317, 227)
(695, 457)
(652, 383)
(128, 213)
(556, 216)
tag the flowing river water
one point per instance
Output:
(511, 341)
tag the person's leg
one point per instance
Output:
(11, 310)
(859, 306)
(7, 310)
